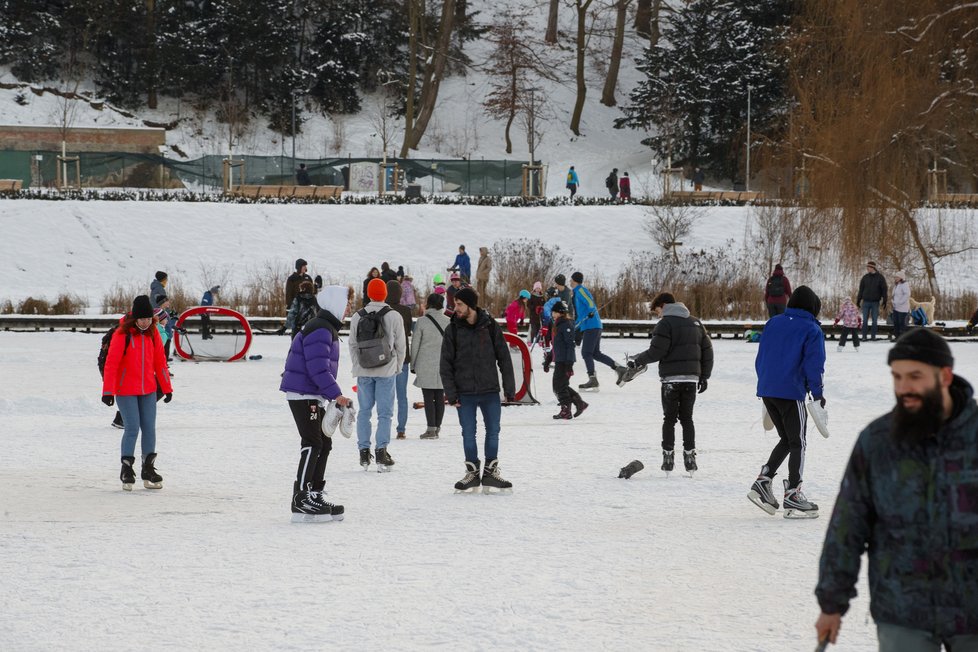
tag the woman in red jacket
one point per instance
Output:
(134, 365)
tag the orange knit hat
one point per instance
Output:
(377, 290)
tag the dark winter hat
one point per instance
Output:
(300, 263)
(922, 345)
(805, 298)
(577, 277)
(141, 307)
(468, 296)
(662, 299)
(560, 306)
(435, 301)
(216, 289)
(560, 279)
(161, 276)
(778, 268)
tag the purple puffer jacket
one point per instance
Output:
(313, 360)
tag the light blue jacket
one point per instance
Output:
(586, 310)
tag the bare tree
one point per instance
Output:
(434, 71)
(581, 6)
(608, 95)
(551, 36)
(668, 224)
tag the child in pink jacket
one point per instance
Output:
(851, 323)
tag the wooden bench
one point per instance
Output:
(11, 185)
(303, 192)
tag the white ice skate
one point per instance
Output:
(332, 418)
(348, 421)
(766, 419)
(819, 417)
(796, 505)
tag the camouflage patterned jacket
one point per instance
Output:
(915, 509)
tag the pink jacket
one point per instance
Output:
(514, 315)
(849, 314)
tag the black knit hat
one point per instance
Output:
(468, 296)
(141, 307)
(922, 345)
(804, 297)
(577, 277)
(560, 279)
(300, 263)
(560, 306)
(161, 276)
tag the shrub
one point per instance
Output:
(32, 306)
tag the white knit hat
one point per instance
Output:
(900, 274)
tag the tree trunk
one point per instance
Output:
(643, 18)
(551, 36)
(655, 31)
(582, 7)
(412, 75)
(509, 123)
(608, 95)
(433, 76)
(151, 54)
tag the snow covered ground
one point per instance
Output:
(575, 559)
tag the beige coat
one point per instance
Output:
(485, 266)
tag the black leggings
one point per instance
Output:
(434, 406)
(316, 446)
(790, 419)
(562, 389)
(677, 405)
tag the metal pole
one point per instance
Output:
(747, 180)
(293, 131)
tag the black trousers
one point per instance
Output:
(434, 406)
(790, 419)
(678, 400)
(316, 446)
(849, 332)
(562, 390)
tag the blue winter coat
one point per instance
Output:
(314, 358)
(791, 356)
(548, 312)
(207, 299)
(572, 178)
(563, 341)
(585, 309)
(463, 264)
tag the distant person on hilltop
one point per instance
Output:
(625, 188)
(302, 176)
(573, 183)
(611, 183)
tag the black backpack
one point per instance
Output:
(610, 181)
(775, 286)
(104, 351)
(371, 345)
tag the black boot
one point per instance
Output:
(306, 509)
(117, 422)
(579, 406)
(151, 479)
(384, 460)
(564, 413)
(668, 460)
(127, 475)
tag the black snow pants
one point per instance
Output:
(790, 419)
(316, 446)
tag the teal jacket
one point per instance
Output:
(914, 509)
(585, 309)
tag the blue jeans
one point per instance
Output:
(894, 638)
(402, 402)
(491, 407)
(591, 350)
(371, 391)
(138, 414)
(870, 308)
(899, 323)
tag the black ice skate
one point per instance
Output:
(579, 406)
(365, 458)
(796, 505)
(630, 469)
(384, 461)
(760, 494)
(689, 461)
(127, 475)
(306, 509)
(564, 413)
(492, 482)
(627, 374)
(668, 461)
(318, 494)
(470, 482)
(591, 385)
(117, 422)
(151, 479)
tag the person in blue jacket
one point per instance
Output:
(205, 319)
(790, 363)
(589, 328)
(462, 265)
(573, 182)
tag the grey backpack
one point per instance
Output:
(372, 348)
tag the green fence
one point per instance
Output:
(468, 177)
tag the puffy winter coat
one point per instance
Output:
(777, 277)
(535, 308)
(408, 297)
(914, 508)
(514, 315)
(463, 264)
(680, 345)
(791, 356)
(426, 349)
(585, 309)
(134, 369)
(393, 336)
(564, 349)
(394, 301)
(157, 293)
(471, 355)
(572, 178)
(872, 287)
(314, 358)
(292, 286)
(901, 296)
(848, 314)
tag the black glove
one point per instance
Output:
(701, 386)
(108, 399)
(631, 364)
(820, 400)
(452, 400)
(318, 282)
(510, 398)
(168, 397)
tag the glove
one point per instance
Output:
(168, 397)
(820, 400)
(631, 364)
(318, 282)
(510, 398)
(701, 386)
(108, 399)
(452, 400)
(836, 322)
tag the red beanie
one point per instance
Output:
(377, 290)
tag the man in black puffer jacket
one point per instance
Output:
(471, 351)
(684, 352)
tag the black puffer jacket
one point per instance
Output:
(470, 355)
(872, 287)
(680, 345)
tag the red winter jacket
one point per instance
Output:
(134, 372)
(783, 299)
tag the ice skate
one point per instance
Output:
(384, 461)
(668, 461)
(564, 413)
(796, 505)
(492, 482)
(689, 461)
(331, 418)
(579, 406)
(470, 482)
(760, 494)
(591, 385)
(151, 479)
(318, 494)
(630, 469)
(627, 374)
(365, 458)
(429, 433)
(348, 420)
(117, 422)
(306, 509)
(128, 475)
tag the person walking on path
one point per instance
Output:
(777, 291)
(589, 325)
(901, 303)
(377, 351)
(573, 182)
(611, 183)
(790, 363)
(309, 381)
(483, 271)
(698, 179)
(682, 347)
(474, 355)
(909, 500)
(872, 295)
(625, 188)
(564, 355)
(394, 301)
(134, 365)
(462, 265)
(849, 316)
(426, 360)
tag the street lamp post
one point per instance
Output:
(747, 180)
